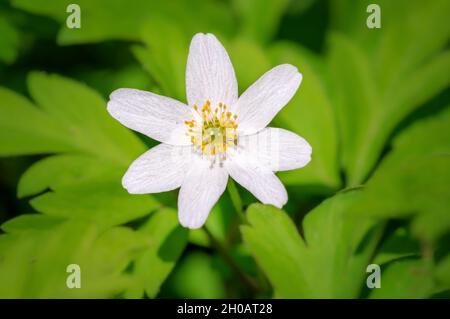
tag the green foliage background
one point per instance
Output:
(374, 104)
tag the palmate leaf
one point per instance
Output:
(412, 183)
(105, 202)
(276, 245)
(82, 187)
(381, 76)
(35, 133)
(164, 60)
(34, 260)
(63, 170)
(402, 43)
(331, 260)
(166, 241)
(413, 180)
(405, 278)
(405, 273)
(82, 112)
(69, 117)
(27, 222)
(85, 179)
(397, 245)
(41, 245)
(105, 19)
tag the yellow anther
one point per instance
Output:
(215, 131)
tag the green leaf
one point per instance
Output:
(164, 60)
(65, 170)
(83, 113)
(166, 241)
(357, 101)
(260, 18)
(407, 278)
(34, 133)
(402, 42)
(417, 165)
(27, 222)
(116, 246)
(33, 263)
(199, 278)
(382, 76)
(398, 245)
(405, 44)
(423, 83)
(100, 24)
(271, 233)
(70, 117)
(104, 201)
(97, 149)
(310, 114)
(250, 61)
(93, 189)
(331, 260)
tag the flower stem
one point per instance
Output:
(236, 200)
(249, 283)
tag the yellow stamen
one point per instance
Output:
(216, 130)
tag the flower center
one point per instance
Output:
(214, 131)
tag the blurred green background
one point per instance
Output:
(374, 105)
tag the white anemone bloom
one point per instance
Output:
(215, 135)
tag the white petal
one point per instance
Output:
(201, 189)
(156, 116)
(277, 149)
(256, 178)
(209, 72)
(160, 169)
(259, 104)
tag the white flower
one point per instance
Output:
(215, 135)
